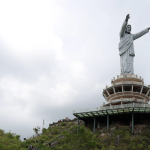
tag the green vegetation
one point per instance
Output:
(122, 139)
(118, 138)
(9, 141)
(49, 134)
(83, 140)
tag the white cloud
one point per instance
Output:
(14, 91)
(27, 28)
(56, 56)
(98, 87)
(78, 70)
(62, 94)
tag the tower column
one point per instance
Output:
(132, 122)
(78, 126)
(94, 125)
(107, 122)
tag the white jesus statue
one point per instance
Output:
(126, 47)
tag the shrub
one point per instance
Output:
(145, 133)
(140, 146)
(148, 147)
(44, 130)
(98, 132)
(2, 132)
(82, 140)
(10, 135)
(70, 123)
(55, 131)
(23, 144)
(18, 137)
(63, 123)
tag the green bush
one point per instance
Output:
(71, 123)
(10, 135)
(148, 147)
(23, 144)
(44, 130)
(82, 140)
(140, 146)
(9, 141)
(145, 133)
(55, 131)
(122, 131)
(98, 132)
(63, 123)
(44, 137)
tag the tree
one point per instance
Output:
(36, 130)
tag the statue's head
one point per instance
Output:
(128, 28)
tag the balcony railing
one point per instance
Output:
(126, 82)
(133, 105)
(128, 100)
(129, 75)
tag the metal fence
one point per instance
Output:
(133, 105)
(126, 82)
(129, 100)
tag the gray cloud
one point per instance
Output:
(57, 56)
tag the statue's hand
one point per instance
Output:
(127, 17)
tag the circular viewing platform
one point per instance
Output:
(127, 77)
(112, 110)
(125, 87)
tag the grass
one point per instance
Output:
(22, 148)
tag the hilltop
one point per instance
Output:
(67, 136)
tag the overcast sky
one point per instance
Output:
(57, 56)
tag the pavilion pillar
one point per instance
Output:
(132, 122)
(78, 126)
(107, 122)
(98, 125)
(94, 125)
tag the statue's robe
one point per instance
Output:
(126, 49)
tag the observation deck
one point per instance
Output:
(127, 86)
(127, 99)
(112, 110)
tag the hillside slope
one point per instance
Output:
(9, 141)
(118, 138)
(66, 137)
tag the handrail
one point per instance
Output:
(126, 101)
(111, 107)
(128, 75)
(126, 82)
(129, 99)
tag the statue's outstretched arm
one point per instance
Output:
(124, 26)
(139, 34)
